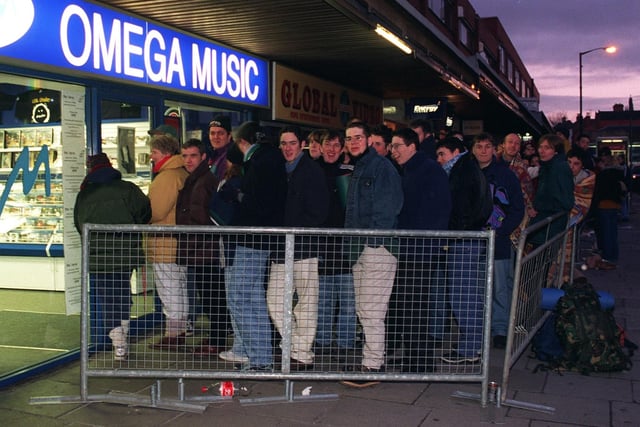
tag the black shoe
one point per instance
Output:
(298, 366)
(367, 370)
(260, 369)
(499, 342)
(169, 343)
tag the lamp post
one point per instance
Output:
(608, 49)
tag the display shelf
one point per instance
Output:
(33, 218)
(14, 140)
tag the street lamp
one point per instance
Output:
(608, 49)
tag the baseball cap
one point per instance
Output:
(164, 130)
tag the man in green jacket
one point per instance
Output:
(104, 198)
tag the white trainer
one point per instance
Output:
(119, 341)
(230, 356)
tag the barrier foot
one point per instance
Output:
(529, 406)
(289, 397)
(508, 402)
(54, 400)
(122, 399)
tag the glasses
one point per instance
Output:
(356, 138)
(396, 146)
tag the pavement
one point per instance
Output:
(578, 400)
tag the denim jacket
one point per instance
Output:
(374, 198)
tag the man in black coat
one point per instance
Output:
(471, 208)
(507, 216)
(307, 205)
(418, 304)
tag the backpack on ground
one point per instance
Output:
(546, 345)
(589, 335)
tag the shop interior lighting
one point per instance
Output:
(393, 39)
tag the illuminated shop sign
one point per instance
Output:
(427, 108)
(301, 98)
(94, 40)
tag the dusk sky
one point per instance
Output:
(549, 34)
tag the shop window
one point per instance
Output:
(36, 201)
(125, 138)
(502, 60)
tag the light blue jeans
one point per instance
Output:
(338, 289)
(247, 303)
(502, 291)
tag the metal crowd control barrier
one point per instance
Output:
(536, 268)
(409, 302)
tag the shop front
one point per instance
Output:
(78, 78)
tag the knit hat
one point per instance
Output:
(223, 122)
(234, 155)
(98, 161)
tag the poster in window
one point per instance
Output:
(12, 139)
(38, 106)
(6, 161)
(126, 150)
(44, 136)
(28, 138)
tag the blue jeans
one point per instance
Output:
(109, 303)
(194, 298)
(607, 233)
(502, 291)
(338, 289)
(247, 303)
(466, 277)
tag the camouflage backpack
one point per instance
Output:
(589, 335)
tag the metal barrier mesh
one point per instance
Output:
(183, 301)
(536, 268)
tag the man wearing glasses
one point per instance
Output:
(418, 304)
(374, 200)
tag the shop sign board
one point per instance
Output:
(427, 108)
(472, 127)
(97, 41)
(305, 99)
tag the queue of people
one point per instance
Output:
(364, 178)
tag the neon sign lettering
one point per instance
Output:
(94, 40)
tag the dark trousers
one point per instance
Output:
(209, 283)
